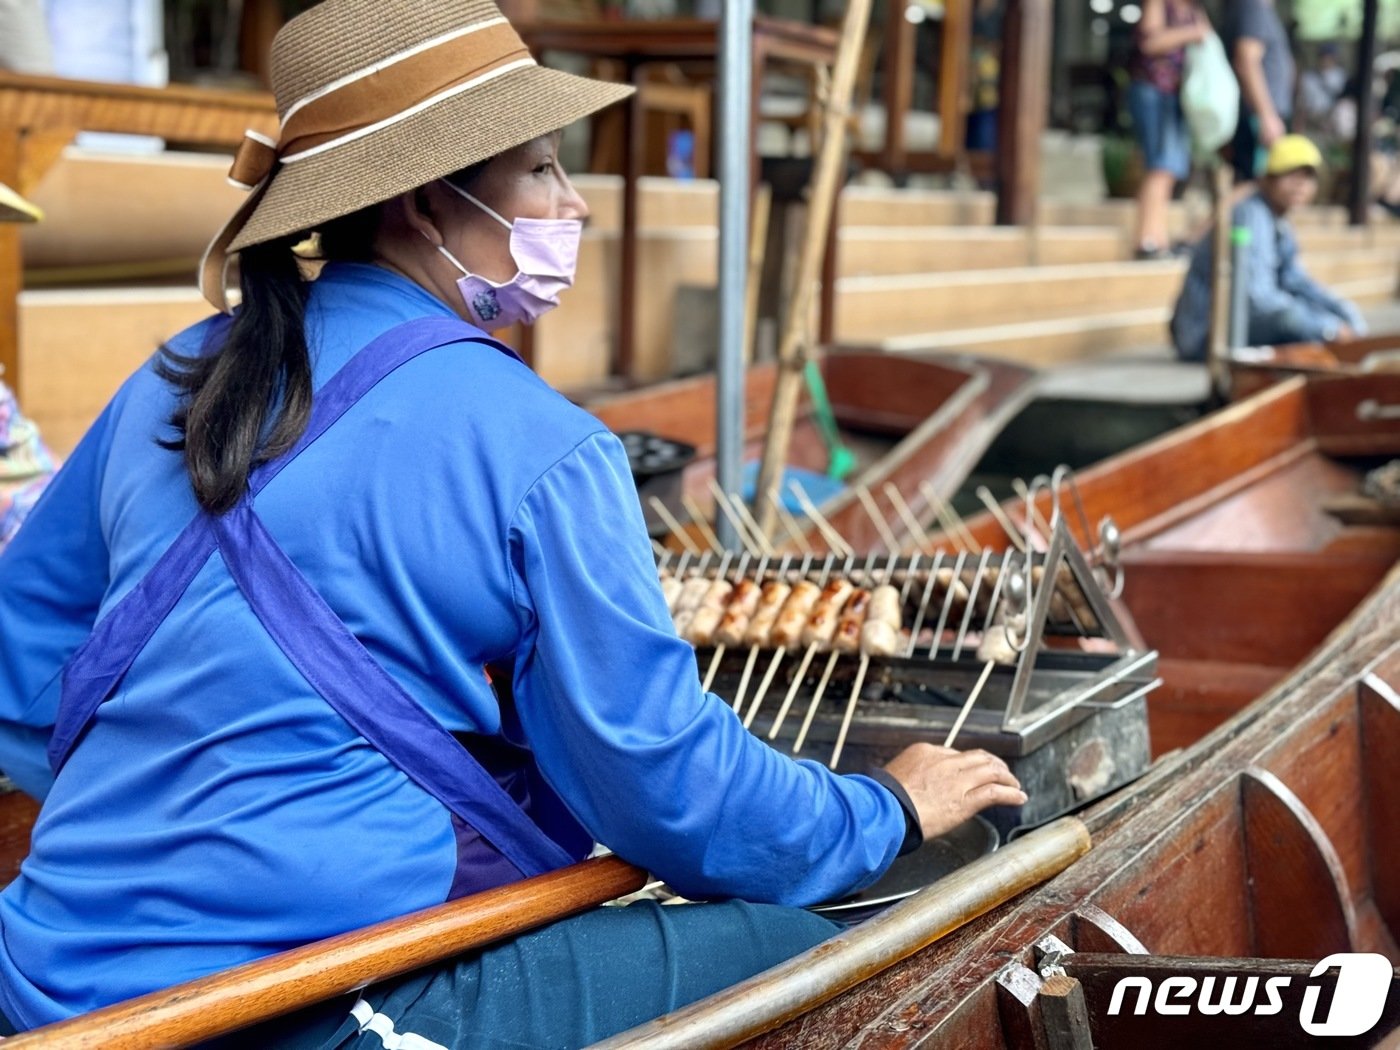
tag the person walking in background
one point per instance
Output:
(1263, 61)
(1154, 98)
(1285, 305)
(1321, 88)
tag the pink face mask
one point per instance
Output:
(545, 252)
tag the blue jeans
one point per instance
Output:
(1160, 128)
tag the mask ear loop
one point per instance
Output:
(488, 210)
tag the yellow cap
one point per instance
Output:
(1291, 152)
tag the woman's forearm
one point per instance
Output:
(1167, 40)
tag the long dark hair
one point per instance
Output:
(262, 371)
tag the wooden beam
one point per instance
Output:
(11, 264)
(1365, 113)
(954, 59)
(1025, 95)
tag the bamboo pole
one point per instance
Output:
(776, 996)
(826, 183)
(259, 991)
(1218, 345)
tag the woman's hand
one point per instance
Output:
(948, 787)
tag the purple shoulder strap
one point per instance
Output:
(308, 632)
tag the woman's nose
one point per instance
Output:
(573, 206)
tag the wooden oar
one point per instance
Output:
(280, 984)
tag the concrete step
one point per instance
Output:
(879, 206)
(877, 250)
(1341, 238)
(1332, 267)
(1047, 343)
(881, 307)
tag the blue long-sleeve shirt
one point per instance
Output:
(218, 809)
(1285, 304)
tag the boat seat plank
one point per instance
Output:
(1323, 766)
(1244, 608)
(1298, 898)
(1344, 427)
(1181, 893)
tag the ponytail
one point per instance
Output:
(227, 396)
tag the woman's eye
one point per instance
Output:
(545, 168)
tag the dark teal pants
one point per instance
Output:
(567, 985)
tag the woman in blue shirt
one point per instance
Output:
(244, 638)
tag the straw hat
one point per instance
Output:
(377, 97)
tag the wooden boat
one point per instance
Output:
(1265, 832)
(1254, 368)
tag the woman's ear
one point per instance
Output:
(416, 210)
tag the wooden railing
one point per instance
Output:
(39, 117)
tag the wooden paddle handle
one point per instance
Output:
(280, 984)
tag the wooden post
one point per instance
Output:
(826, 183)
(955, 57)
(1365, 114)
(1064, 1015)
(1218, 341)
(899, 84)
(11, 265)
(1025, 84)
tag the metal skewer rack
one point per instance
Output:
(1064, 704)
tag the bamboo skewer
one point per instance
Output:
(1035, 518)
(744, 678)
(967, 704)
(1007, 525)
(790, 524)
(701, 522)
(722, 502)
(953, 525)
(778, 655)
(812, 708)
(850, 710)
(792, 689)
(832, 537)
(760, 539)
(906, 515)
(675, 527)
(882, 525)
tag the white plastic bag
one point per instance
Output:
(1210, 95)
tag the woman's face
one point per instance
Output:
(525, 182)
